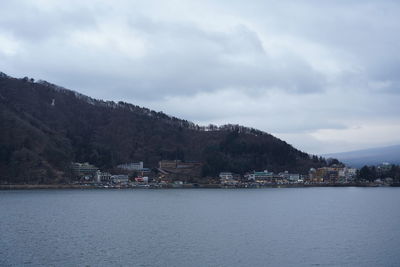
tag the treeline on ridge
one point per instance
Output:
(44, 127)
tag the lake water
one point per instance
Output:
(201, 227)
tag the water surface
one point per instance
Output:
(201, 227)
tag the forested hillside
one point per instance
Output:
(44, 127)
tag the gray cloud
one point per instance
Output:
(298, 69)
(180, 58)
(32, 23)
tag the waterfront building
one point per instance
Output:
(294, 177)
(331, 175)
(326, 174)
(226, 176)
(351, 174)
(312, 176)
(102, 177)
(120, 179)
(83, 169)
(261, 176)
(286, 176)
(347, 174)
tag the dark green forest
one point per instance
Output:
(371, 173)
(44, 127)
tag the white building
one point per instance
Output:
(102, 177)
(295, 177)
(133, 166)
(226, 176)
(351, 173)
(120, 179)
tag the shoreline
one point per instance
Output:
(187, 186)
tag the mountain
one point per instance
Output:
(44, 127)
(371, 156)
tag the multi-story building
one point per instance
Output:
(294, 177)
(133, 166)
(347, 174)
(83, 169)
(325, 174)
(351, 174)
(102, 177)
(120, 179)
(261, 176)
(332, 174)
(321, 174)
(312, 176)
(286, 176)
(226, 176)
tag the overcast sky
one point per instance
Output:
(322, 75)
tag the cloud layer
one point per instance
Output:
(322, 75)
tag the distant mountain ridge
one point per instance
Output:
(371, 156)
(45, 127)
